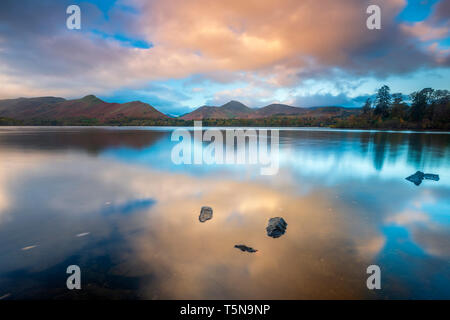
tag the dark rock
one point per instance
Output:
(418, 177)
(430, 176)
(245, 248)
(205, 214)
(276, 227)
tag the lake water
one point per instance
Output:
(111, 201)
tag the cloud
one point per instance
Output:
(268, 44)
(163, 97)
(425, 32)
(328, 99)
(252, 96)
(264, 35)
(437, 26)
(441, 13)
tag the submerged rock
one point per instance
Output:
(276, 227)
(205, 214)
(430, 176)
(244, 248)
(417, 177)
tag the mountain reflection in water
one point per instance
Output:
(343, 194)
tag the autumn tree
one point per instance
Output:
(420, 102)
(367, 108)
(399, 107)
(383, 101)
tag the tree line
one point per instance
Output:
(427, 109)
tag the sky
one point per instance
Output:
(178, 55)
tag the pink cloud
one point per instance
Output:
(426, 32)
(266, 43)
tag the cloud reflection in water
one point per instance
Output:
(151, 237)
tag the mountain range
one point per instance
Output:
(55, 108)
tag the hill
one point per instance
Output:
(277, 110)
(54, 108)
(90, 110)
(237, 110)
(230, 110)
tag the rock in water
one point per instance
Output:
(205, 214)
(417, 177)
(244, 248)
(430, 176)
(276, 227)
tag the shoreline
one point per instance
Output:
(286, 128)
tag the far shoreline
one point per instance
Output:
(285, 128)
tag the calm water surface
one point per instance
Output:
(111, 201)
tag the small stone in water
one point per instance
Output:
(417, 177)
(244, 248)
(276, 227)
(205, 214)
(431, 176)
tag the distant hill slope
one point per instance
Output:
(230, 110)
(277, 109)
(236, 110)
(53, 108)
(23, 108)
(91, 107)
